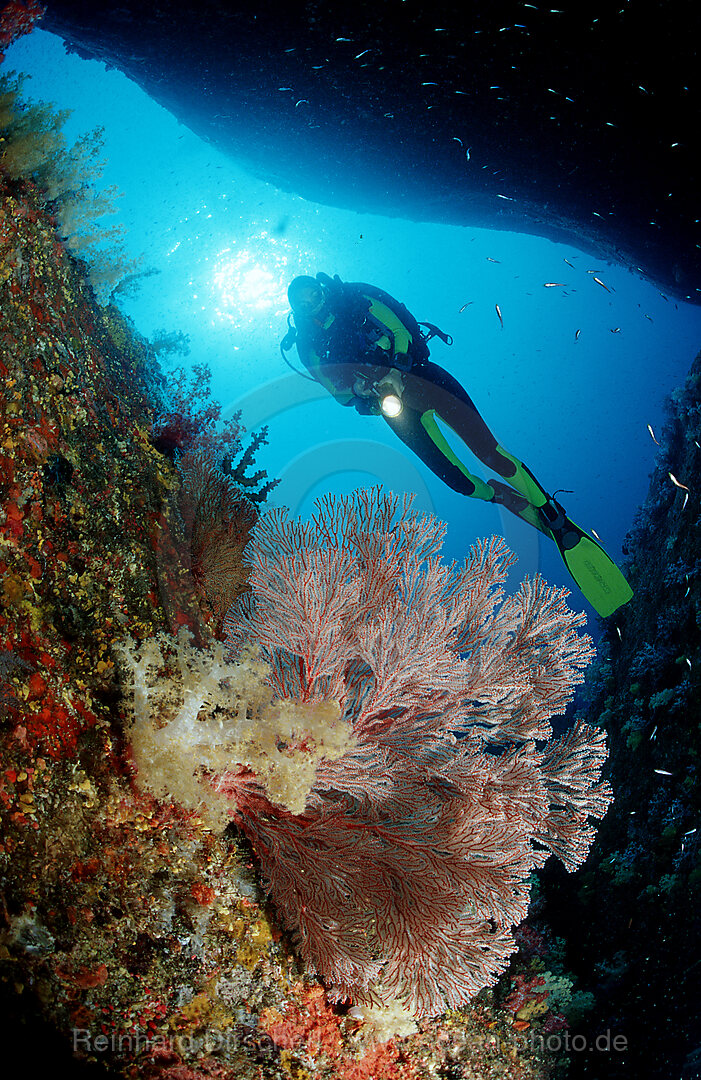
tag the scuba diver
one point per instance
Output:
(370, 353)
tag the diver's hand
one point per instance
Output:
(391, 383)
(363, 387)
(366, 406)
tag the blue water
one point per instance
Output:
(226, 245)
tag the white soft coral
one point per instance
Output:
(196, 717)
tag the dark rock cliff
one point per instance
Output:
(637, 902)
(578, 124)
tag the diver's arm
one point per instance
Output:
(366, 406)
(315, 365)
(391, 383)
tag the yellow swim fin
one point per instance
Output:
(596, 574)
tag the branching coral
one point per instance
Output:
(218, 517)
(409, 867)
(189, 417)
(403, 870)
(191, 421)
(220, 496)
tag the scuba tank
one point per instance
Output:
(345, 296)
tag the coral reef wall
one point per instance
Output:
(133, 937)
(642, 959)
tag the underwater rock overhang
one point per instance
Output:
(575, 133)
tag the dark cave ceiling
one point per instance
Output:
(578, 123)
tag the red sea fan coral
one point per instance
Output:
(218, 517)
(408, 869)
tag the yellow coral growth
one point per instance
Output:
(385, 1022)
(33, 147)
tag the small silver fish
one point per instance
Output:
(498, 309)
(614, 329)
(492, 260)
(652, 434)
(554, 284)
(465, 306)
(570, 264)
(600, 282)
(676, 483)
(576, 334)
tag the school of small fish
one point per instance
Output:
(558, 285)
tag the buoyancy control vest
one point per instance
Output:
(364, 327)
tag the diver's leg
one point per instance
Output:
(432, 391)
(416, 430)
(435, 390)
(420, 432)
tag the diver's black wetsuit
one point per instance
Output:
(367, 333)
(430, 392)
(364, 347)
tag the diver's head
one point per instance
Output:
(306, 297)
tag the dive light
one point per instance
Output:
(391, 405)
